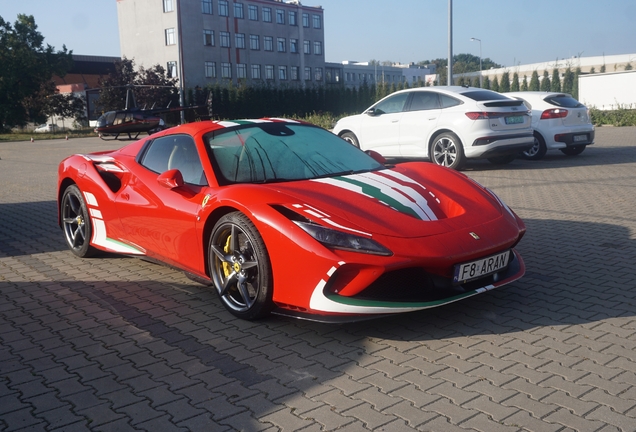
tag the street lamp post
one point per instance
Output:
(481, 79)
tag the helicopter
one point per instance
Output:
(133, 120)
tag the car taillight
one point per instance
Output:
(480, 115)
(554, 113)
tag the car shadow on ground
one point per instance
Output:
(552, 159)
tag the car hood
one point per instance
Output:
(410, 200)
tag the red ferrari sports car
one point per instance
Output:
(284, 217)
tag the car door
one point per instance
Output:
(380, 125)
(417, 123)
(159, 218)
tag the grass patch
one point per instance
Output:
(26, 136)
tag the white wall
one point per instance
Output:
(608, 91)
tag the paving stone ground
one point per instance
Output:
(118, 344)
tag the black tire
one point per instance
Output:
(76, 223)
(240, 267)
(573, 150)
(351, 138)
(537, 151)
(447, 150)
(502, 160)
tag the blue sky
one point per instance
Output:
(511, 31)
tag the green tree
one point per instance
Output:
(545, 82)
(524, 83)
(504, 85)
(534, 81)
(475, 82)
(486, 82)
(26, 71)
(514, 86)
(568, 80)
(555, 82)
(628, 66)
(495, 84)
(592, 70)
(151, 88)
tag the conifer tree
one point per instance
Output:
(555, 84)
(504, 84)
(524, 83)
(495, 85)
(545, 82)
(534, 81)
(515, 82)
(486, 82)
(568, 80)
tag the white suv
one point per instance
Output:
(559, 122)
(445, 124)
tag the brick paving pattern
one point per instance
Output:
(119, 344)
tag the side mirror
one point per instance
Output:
(371, 112)
(171, 179)
(376, 156)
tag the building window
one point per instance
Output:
(268, 43)
(256, 71)
(170, 38)
(210, 69)
(305, 20)
(171, 69)
(318, 48)
(267, 14)
(307, 74)
(282, 73)
(240, 40)
(280, 16)
(318, 72)
(269, 72)
(241, 71)
(317, 21)
(281, 43)
(295, 73)
(307, 47)
(255, 42)
(226, 70)
(238, 10)
(168, 5)
(206, 6)
(293, 18)
(208, 37)
(224, 8)
(252, 12)
(225, 39)
(293, 45)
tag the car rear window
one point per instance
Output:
(484, 95)
(563, 100)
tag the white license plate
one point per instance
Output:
(513, 119)
(579, 138)
(481, 267)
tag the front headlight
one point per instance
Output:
(341, 240)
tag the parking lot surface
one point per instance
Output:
(116, 344)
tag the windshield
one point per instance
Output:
(277, 151)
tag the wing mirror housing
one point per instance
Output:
(171, 179)
(372, 112)
(376, 156)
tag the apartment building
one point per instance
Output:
(214, 41)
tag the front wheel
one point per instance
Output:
(573, 150)
(447, 150)
(240, 267)
(351, 138)
(76, 223)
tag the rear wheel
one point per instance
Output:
(447, 150)
(240, 267)
(538, 150)
(76, 223)
(573, 150)
(502, 160)
(350, 138)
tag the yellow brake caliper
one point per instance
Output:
(227, 267)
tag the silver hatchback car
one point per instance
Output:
(559, 122)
